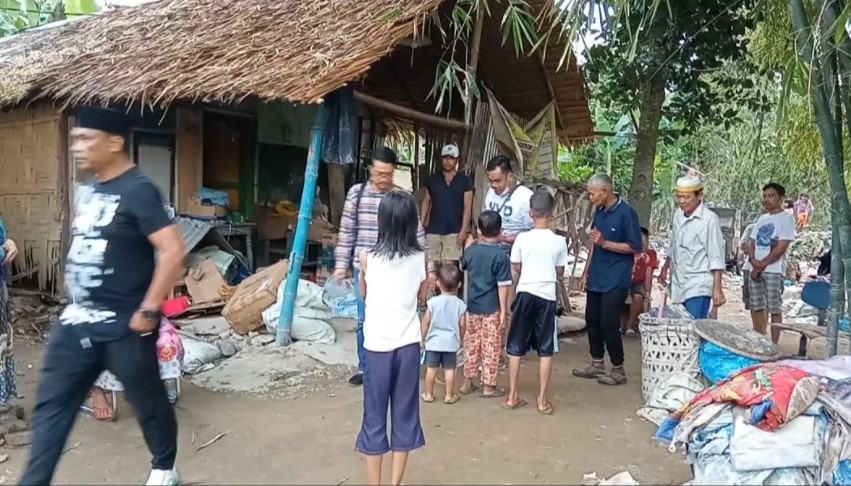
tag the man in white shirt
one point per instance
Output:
(509, 199)
(766, 252)
(696, 254)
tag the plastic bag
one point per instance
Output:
(197, 354)
(842, 473)
(338, 288)
(717, 363)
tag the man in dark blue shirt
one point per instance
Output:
(616, 236)
(447, 205)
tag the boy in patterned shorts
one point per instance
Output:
(488, 283)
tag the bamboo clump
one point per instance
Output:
(207, 50)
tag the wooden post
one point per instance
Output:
(406, 112)
(470, 103)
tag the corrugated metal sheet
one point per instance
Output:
(193, 231)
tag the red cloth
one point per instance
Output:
(647, 258)
(751, 386)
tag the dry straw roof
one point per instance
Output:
(210, 50)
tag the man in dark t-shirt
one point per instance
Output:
(115, 289)
(447, 205)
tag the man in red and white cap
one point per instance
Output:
(447, 205)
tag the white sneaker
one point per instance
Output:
(163, 477)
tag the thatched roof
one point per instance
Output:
(208, 50)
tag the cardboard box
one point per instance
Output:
(244, 310)
(195, 208)
(271, 225)
(204, 281)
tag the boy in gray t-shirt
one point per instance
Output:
(443, 327)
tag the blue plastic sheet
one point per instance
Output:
(665, 432)
(842, 474)
(339, 139)
(2, 239)
(212, 196)
(717, 363)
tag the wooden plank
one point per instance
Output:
(189, 154)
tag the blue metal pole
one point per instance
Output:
(305, 210)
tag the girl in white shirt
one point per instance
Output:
(392, 281)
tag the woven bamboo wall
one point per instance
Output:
(32, 190)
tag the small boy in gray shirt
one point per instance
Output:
(443, 327)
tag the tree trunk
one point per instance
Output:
(822, 86)
(647, 138)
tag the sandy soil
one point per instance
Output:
(310, 439)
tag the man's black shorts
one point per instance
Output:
(533, 322)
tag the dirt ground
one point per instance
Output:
(310, 440)
(308, 437)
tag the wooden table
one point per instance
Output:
(808, 332)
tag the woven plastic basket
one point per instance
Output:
(668, 346)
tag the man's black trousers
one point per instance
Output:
(70, 370)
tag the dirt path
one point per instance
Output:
(310, 440)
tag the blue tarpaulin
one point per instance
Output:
(339, 139)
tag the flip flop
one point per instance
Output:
(450, 401)
(427, 398)
(497, 392)
(548, 410)
(520, 402)
(467, 392)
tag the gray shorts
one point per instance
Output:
(746, 289)
(766, 293)
(637, 289)
(439, 359)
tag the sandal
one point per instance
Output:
(615, 378)
(102, 413)
(548, 408)
(497, 392)
(590, 372)
(468, 391)
(450, 401)
(426, 397)
(519, 403)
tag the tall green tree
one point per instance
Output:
(18, 15)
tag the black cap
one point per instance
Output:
(106, 120)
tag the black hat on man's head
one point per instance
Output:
(106, 120)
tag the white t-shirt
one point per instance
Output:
(514, 212)
(539, 251)
(768, 230)
(391, 321)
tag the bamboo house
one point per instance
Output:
(222, 95)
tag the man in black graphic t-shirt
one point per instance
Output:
(115, 289)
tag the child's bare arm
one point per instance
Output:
(462, 324)
(502, 291)
(517, 267)
(426, 323)
(361, 283)
(421, 295)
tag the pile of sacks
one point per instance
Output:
(785, 422)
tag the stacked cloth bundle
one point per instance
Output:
(786, 422)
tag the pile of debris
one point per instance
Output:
(752, 418)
